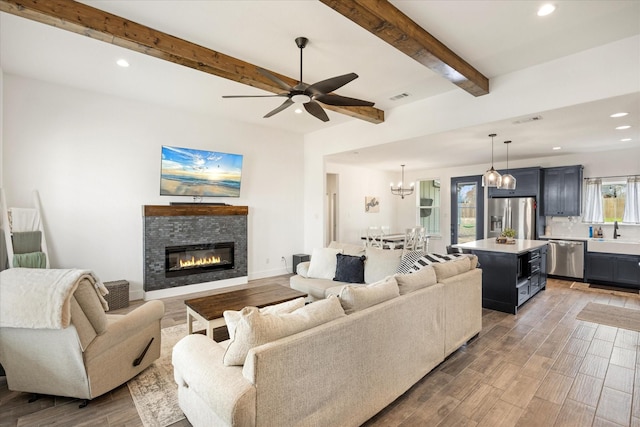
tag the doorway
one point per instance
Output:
(467, 209)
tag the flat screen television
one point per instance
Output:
(199, 173)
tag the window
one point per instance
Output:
(614, 196)
(429, 205)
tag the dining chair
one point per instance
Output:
(415, 239)
(374, 237)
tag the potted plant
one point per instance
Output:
(508, 236)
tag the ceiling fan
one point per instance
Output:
(308, 95)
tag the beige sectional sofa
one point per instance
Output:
(340, 372)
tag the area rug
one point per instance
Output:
(611, 315)
(605, 290)
(154, 391)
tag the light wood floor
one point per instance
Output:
(541, 367)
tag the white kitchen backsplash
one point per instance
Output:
(574, 227)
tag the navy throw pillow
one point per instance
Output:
(349, 269)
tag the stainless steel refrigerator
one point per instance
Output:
(518, 213)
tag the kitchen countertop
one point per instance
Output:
(581, 239)
(490, 245)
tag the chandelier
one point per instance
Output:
(400, 190)
(491, 178)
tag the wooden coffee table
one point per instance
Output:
(209, 309)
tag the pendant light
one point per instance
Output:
(491, 178)
(400, 190)
(508, 181)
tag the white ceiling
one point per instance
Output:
(495, 37)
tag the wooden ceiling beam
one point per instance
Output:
(100, 25)
(384, 20)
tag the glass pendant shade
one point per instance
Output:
(491, 178)
(508, 181)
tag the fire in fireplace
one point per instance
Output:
(194, 259)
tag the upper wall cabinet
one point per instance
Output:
(527, 183)
(562, 191)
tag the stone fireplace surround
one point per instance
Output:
(188, 224)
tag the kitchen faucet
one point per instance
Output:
(615, 230)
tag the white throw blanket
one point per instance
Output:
(40, 298)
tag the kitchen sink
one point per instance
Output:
(614, 246)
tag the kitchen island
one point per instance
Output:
(511, 273)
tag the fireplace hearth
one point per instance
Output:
(184, 260)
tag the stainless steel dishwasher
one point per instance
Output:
(566, 258)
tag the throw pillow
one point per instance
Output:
(349, 269)
(323, 263)
(445, 270)
(232, 317)
(255, 328)
(408, 259)
(355, 298)
(431, 259)
(381, 263)
(413, 281)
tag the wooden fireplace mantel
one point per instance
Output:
(193, 210)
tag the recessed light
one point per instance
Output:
(557, 148)
(625, 139)
(621, 114)
(546, 9)
(123, 63)
(623, 127)
(298, 110)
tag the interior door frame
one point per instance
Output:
(473, 179)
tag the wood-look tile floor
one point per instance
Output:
(541, 367)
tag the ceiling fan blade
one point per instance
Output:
(274, 79)
(329, 85)
(316, 110)
(282, 106)
(342, 101)
(254, 96)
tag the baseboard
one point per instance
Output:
(199, 287)
(268, 273)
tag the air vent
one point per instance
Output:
(527, 120)
(399, 96)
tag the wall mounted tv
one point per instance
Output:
(199, 173)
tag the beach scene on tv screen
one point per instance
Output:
(190, 172)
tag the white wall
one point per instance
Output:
(95, 160)
(594, 74)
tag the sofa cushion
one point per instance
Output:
(444, 270)
(231, 317)
(349, 269)
(413, 281)
(255, 328)
(323, 263)
(90, 304)
(381, 263)
(348, 248)
(355, 298)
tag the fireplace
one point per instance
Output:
(195, 259)
(189, 226)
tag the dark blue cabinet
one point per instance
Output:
(562, 191)
(613, 269)
(527, 183)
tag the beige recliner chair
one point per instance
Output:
(93, 355)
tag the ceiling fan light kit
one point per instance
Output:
(400, 190)
(310, 95)
(491, 177)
